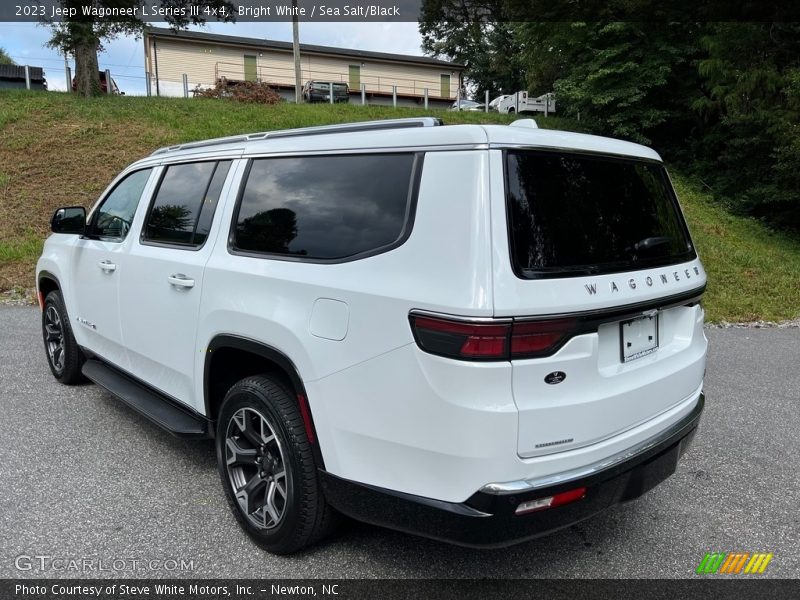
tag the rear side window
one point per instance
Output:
(185, 202)
(326, 207)
(576, 214)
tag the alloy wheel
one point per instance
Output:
(256, 468)
(54, 338)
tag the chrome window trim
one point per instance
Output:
(417, 312)
(573, 150)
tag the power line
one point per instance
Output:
(61, 61)
(115, 76)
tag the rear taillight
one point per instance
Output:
(461, 339)
(539, 338)
(491, 339)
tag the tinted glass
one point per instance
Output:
(572, 214)
(324, 86)
(113, 218)
(185, 200)
(210, 201)
(324, 206)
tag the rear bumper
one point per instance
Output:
(487, 518)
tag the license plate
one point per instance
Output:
(638, 337)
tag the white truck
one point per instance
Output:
(521, 102)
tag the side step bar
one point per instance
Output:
(164, 412)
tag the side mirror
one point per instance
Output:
(71, 219)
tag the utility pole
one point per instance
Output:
(298, 76)
(67, 73)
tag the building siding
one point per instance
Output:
(204, 62)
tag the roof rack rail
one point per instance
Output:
(304, 131)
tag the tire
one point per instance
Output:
(63, 353)
(267, 467)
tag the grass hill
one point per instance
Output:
(60, 150)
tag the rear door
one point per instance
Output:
(594, 261)
(161, 290)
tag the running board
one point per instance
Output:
(162, 411)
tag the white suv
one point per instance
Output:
(474, 333)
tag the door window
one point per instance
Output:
(112, 219)
(184, 205)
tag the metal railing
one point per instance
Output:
(372, 84)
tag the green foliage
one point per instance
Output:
(750, 150)
(624, 79)
(83, 36)
(477, 35)
(5, 59)
(752, 271)
(722, 99)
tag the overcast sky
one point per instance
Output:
(125, 55)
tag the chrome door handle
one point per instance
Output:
(180, 280)
(107, 266)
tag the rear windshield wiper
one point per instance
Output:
(649, 243)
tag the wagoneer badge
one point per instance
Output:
(663, 279)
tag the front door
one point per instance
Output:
(354, 77)
(99, 260)
(250, 67)
(445, 86)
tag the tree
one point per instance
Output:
(5, 59)
(750, 147)
(625, 79)
(476, 34)
(83, 34)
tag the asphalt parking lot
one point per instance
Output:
(83, 476)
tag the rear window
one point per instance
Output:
(575, 214)
(325, 86)
(326, 207)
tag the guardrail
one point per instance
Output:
(372, 84)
